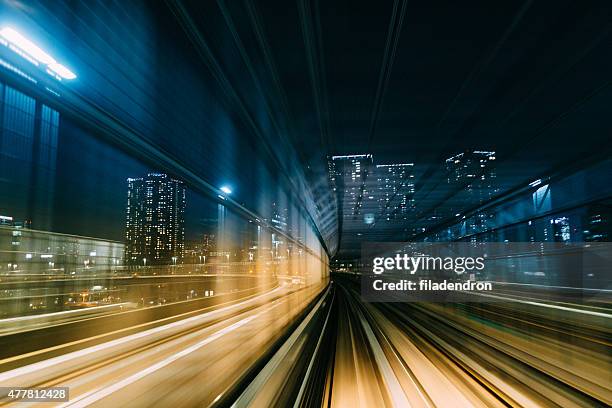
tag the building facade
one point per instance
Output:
(155, 221)
(472, 176)
(395, 190)
(351, 177)
(473, 171)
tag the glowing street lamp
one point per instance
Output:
(225, 190)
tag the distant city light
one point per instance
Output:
(394, 165)
(30, 51)
(226, 190)
(352, 156)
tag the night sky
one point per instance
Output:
(258, 93)
(91, 192)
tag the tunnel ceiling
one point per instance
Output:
(419, 83)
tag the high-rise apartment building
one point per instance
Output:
(351, 176)
(395, 190)
(473, 172)
(155, 221)
(473, 169)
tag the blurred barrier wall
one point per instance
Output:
(140, 103)
(41, 254)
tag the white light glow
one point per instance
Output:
(30, 51)
(62, 71)
(26, 45)
(352, 156)
(226, 190)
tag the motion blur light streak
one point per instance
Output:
(26, 45)
(35, 52)
(97, 349)
(201, 216)
(98, 395)
(62, 71)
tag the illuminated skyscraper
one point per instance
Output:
(474, 173)
(280, 217)
(333, 173)
(395, 190)
(474, 170)
(155, 220)
(596, 224)
(350, 176)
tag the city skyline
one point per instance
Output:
(310, 203)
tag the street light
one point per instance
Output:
(225, 190)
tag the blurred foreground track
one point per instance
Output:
(325, 347)
(192, 361)
(473, 354)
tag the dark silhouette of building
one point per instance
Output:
(155, 221)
